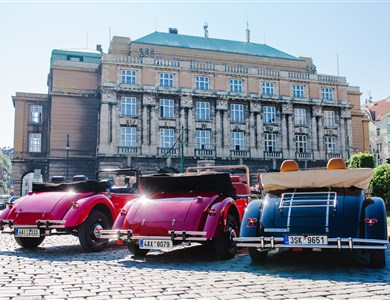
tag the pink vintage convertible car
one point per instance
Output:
(81, 208)
(202, 205)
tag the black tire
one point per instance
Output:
(377, 258)
(135, 249)
(88, 232)
(225, 247)
(257, 255)
(28, 242)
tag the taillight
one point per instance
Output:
(75, 205)
(251, 222)
(370, 222)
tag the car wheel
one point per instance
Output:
(89, 231)
(135, 249)
(258, 255)
(377, 258)
(29, 243)
(225, 247)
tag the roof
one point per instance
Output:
(379, 109)
(212, 44)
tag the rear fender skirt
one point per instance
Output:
(252, 211)
(375, 210)
(76, 216)
(215, 224)
(4, 213)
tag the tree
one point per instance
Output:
(361, 160)
(380, 183)
(6, 172)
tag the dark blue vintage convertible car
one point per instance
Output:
(316, 209)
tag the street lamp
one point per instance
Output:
(67, 156)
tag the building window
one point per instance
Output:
(300, 116)
(128, 137)
(329, 118)
(74, 58)
(129, 76)
(34, 142)
(235, 85)
(203, 140)
(202, 110)
(378, 132)
(237, 112)
(298, 91)
(202, 83)
(128, 106)
(167, 137)
(270, 142)
(330, 144)
(238, 142)
(167, 108)
(35, 113)
(268, 88)
(301, 143)
(166, 79)
(327, 93)
(269, 114)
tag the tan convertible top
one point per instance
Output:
(342, 178)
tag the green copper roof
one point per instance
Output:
(211, 44)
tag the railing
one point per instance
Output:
(167, 62)
(194, 65)
(236, 69)
(268, 72)
(240, 153)
(303, 155)
(330, 155)
(127, 150)
(122, 59)
(273, 154)
(204, 153)
(298, 75)
(167, 151)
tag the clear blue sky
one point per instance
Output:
(358, 32)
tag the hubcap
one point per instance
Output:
(96, 231)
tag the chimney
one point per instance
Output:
(99, 48)
(173, 30)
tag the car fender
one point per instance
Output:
(375, 209)
(252, 211)
(79, 212)
(5, 212)
(216, 222)
(123, 214)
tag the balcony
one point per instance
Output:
(240, 154)
(303, 155)
(127, 150)
(273, 155)
(330, 155)
(205, 153)
(167, 152)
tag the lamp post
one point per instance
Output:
(182, 149)
(67, 156)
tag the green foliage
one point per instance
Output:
(361, 160)
(380, 183)
(6, 167)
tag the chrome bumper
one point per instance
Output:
(40, 224)
(270, 243)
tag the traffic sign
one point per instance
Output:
(12, 194)
(11, 182)
(12, 187)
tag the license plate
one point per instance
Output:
(306, 240)
(155, 244)
(27, 232)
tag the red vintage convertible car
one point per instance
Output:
(202, 205)
(81, 208)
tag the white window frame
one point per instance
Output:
(329, 118)
(235, 85)
(237, 112)
(300, 116)
(129, 76)
(167, 108)
(301, 143)
(203, 139)
(202, 110)
(269, 114)
(268, 88)
(202, 82)
(238, 139)
(167, 138)
(298, 91)
(327, 93)
(34, 142)
(128, 137)
(270, 142)
(35, 114)
(128, 106)
(330, 144)
(167, 79)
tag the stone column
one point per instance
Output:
(287, 140)
(252, 132)
(313, 134)
(260, 130)
(320, 135)
(222, 128)
(217, 131)
(107, 123)
(291, 137)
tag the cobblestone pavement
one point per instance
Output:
(60, 270)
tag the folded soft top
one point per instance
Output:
(317, 178)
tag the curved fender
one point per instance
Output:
(252, 211)
(216, 223)
(4, 213)
(77, 215)
(375, 209)
(120, 219)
